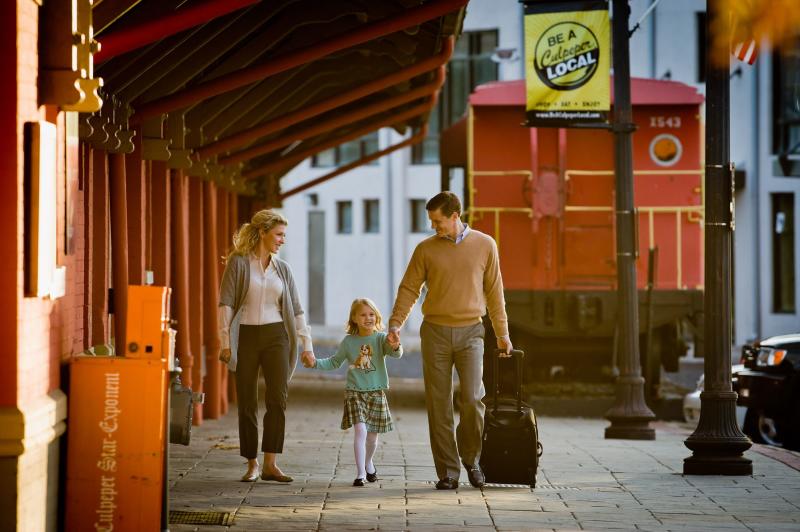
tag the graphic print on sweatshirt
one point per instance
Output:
(364, 360)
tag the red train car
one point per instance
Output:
(547, 196)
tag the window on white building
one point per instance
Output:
(371, 216)
(347, 152)
(786, 108)
(783, 259)
(344, 217)
(419, 216)
(700, 20)
(470, 66)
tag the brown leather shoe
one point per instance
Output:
(447, 483)
(276, 478)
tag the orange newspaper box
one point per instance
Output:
(147, 325)
(116, 443)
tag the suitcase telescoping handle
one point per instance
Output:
(517, 355)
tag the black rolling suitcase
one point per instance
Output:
(511, 447)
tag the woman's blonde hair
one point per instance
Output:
(245, 240)
(352, 326)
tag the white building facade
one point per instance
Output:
(352, 236)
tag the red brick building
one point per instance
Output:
(142, 177)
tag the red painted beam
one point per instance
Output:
(355, 164)
(123, 41)
(358, 133)
(406, 19)
(289, 119)
(339, 121)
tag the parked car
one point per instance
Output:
(769, 387)
(691, 401)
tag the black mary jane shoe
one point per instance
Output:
(372, 477)
(359, 482)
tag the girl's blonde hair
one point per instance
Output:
(245, 240)
(352, 326)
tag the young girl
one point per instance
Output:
(365, 406)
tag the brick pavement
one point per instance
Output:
(585, 482)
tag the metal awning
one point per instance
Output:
(243, 90)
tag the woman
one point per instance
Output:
(261, 319)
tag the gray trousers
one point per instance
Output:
(442, 348)
(265, 346)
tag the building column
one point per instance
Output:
(161, 223)
(196, 290)
(222, 237)
(180, 268)
(119, 247)
(213, 404)
(99, 262)
(136, 190)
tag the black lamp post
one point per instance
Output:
(717, 444)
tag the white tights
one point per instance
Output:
(364, 445)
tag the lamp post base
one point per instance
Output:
(630, 417)
(717, 465)
(717, 444)
(630, 430)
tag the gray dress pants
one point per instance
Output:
(442, 348)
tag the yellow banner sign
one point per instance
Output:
(568, 58)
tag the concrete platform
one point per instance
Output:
(585, 482)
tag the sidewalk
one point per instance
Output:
(585, 482)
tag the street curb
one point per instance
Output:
(779, 454)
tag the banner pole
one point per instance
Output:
(629, 416)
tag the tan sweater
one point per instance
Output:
(463, 280)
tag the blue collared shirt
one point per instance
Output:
(459, 237)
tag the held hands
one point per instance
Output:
(395, 345)
(393, 338)
(504, 344)
(308, 359)
(225, 355)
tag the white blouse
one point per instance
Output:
(262, 305)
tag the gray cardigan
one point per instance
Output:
(232, 291)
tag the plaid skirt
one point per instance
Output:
(370, 408)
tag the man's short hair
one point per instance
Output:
(446, 202)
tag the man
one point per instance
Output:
(460, 267)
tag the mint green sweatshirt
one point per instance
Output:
(365, 359)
